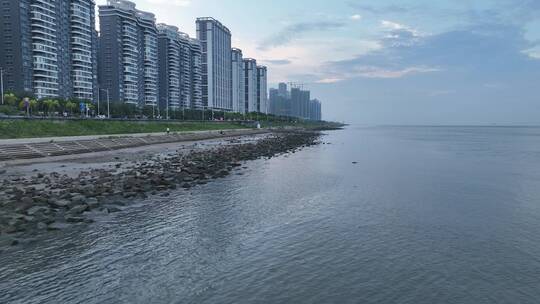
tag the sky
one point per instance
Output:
(413, 62)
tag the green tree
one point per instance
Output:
(32, 105)
(71, 107)
(11, 99)
(51, 105)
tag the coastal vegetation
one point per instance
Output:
(51, 128)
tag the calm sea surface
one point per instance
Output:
(426, 215)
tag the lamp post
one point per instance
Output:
(2, 84)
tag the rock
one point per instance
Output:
(92, 203)
(8, 241)
(29, 218)
(58, 226)
(74, 219)
(59, 203)
(27, 201)
(78, 199)
(112, 209)
(78, 209)
(36, 210)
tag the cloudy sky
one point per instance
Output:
(390, 61)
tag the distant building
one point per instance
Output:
(282, 90)
(300, 103)
(170, 65)
(238, 87)
(315, 110)
(216, 64)
(48, 48)
(280, 104)
(128, 56)
(296, 103)
(196, 73)
(250, 84)
(262, 89)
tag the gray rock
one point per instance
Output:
(112, 209)
(78, 199)
(92, 203)
(27, 201)
(74, 219)
(36, 210)
(58, 226)
(60, 203)
(78, 209)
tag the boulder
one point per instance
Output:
(58, 226)
(92, 203)
(59, 203)
(37, 210)
(78, 209)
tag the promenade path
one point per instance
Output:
(30, 148)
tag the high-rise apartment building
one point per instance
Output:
(196, 73)
(128, 55)
(170, 66)
(239, 104)
(47, 48)
(216, 63)
(300, 103)
(315, 109)
(250, 84)
(282, 90)
(262, 90)
(179, 69)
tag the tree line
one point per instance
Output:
(58, 107)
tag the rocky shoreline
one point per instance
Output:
(43, 202)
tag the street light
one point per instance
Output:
(2, 84)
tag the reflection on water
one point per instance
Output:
(427, 215)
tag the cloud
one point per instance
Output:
(356, 17)
(488, 51)
(329, 80)
(297, 30)
(384, 9)
(182, 3)
(397, 34)
(392, 25)
(278, 61)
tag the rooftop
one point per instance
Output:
(210, 19)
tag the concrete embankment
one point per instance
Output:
(44, 201)
(13, 149)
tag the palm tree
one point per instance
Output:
(51, 105)
(71, 107)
